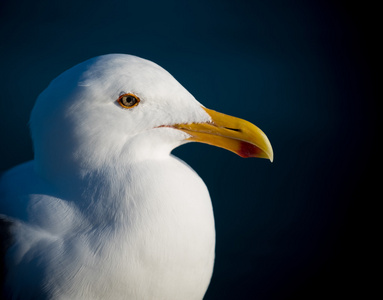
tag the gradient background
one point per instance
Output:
(299, 228)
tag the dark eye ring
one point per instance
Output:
(128, 100)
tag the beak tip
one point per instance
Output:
(271, 155)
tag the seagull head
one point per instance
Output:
(116, 109)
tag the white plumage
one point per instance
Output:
(104, 211)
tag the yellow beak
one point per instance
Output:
(233, 134)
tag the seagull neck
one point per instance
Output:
(69, 176)
(78, 165)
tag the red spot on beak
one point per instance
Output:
(248, 150)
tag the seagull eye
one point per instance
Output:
(128, 100)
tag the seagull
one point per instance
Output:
(104, 210)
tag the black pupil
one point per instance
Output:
(128, 100)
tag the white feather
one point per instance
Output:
(105, 211)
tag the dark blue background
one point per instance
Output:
(299, 228)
